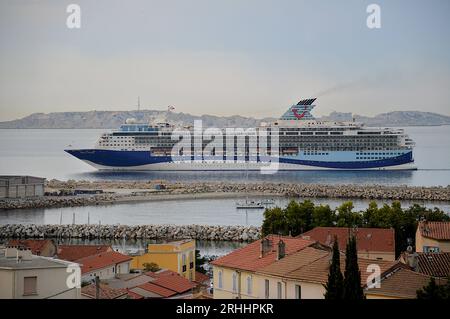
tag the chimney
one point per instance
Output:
(281, 250)
(97, 287)
(265, 247)
(412, 258)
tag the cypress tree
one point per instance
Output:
(334, 285)
(352, 274)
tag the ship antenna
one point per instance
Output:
(139, 103)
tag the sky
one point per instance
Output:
(224, 57)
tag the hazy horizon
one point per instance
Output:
(250, 58)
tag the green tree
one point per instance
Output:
(433, 291)
(347, 217)
(153, 267)
(352, 274)
(299, 216)
(323, 216)
(199, 262)
(334, 287)
(274, 222)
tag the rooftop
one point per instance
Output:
(105, 292)
(249, 257)
(435, 230)
(171, 280)
(35, 245)
(312, 265)
(402, 283)
(101, 260)
(367, 239)
(434, 264)
(35, 262)
(75, 252)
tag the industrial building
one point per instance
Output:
(21, 186)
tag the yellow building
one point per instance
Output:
(433, 237)
(178, 256)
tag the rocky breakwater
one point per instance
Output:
(50, 202)
(199, 232)
(322, 190)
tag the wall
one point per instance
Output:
(444, 246)
(226, 292)
(107, 272)
(51, 283)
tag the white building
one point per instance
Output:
(26, 276)
(104, 265)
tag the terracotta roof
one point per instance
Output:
(434, 264)
(172, 280)
(248, 258)
(134, 295)
(402, 283)
(75, 252)
(35, 245)
(105, 292)
(162, 291)
(312, 265)
(293, 262)
(102, 260)
(201, 278)
(367, 239)
(435, 230)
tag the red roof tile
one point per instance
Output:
(75, 252)
(105, 292)
(102, 260)
(249, 257)
(201, 278)
(312, 265)
(162, 291)
(434, 264)
(35, 245)
(367, 239)
(435, 230)
(402, 283)
(174, 282)
(133, 295)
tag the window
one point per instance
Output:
(298, 292)
(430, 249)
(30, 285)
(234, 282)
(220, 284)
(266, 288)
(249, 285)
(279, 290)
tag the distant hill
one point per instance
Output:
(113, 119)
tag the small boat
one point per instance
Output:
(250, 205)
(268, 201)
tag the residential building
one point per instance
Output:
(431, 264)
(433, 237)
(178, 256)
(75, 252)
(234, 275)
(372, 243)
(105, 265)
(26, 276)
(12, 186)
(38, 247)
(303, 274)
(400, 283)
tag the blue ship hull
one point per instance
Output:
(136, 160)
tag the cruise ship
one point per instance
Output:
(304, 143)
